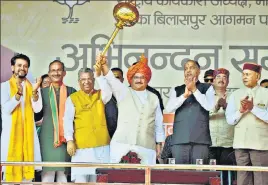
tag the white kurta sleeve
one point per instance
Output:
(159, 126)
(69, 119)
(7, 104)
(231, 113)
(206, 100)
(118, 88)
(174, 102)
(260, 113)
(106, 91)
(37, 106)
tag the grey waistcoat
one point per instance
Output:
(191, 123)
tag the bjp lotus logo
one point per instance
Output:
(71, 4)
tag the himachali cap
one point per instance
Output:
(221, 71)
(253, 67)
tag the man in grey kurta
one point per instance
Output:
(49, 151)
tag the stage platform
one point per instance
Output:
(162, 176)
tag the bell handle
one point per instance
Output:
(110, 41)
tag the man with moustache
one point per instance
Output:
(142, 131)
(111, 110)
(52, 141)
(156, 92)
(191, 103)
(85, 126)
(19, 140)
(221, 133)
(249, 114)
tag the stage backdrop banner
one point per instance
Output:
(217, 33)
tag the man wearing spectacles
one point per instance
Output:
(208, 77)
(85, 127)
(140, 120)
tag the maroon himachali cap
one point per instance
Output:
(253, 67)
(221, 71)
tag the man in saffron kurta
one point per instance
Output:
(52, 142)
(19, 140)
(85, 127)
(140, 120)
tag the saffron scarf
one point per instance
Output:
(57, 115)
(21, 143)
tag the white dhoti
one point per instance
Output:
(118, 150)
(89, 155)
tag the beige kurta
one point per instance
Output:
(140, 122)
(222, 134)
(251, 128)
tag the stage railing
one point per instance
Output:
(147, 168)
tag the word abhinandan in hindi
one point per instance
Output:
(174, 56)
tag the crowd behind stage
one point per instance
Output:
(50, 121)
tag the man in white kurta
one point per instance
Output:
(248, 110)
(85, 127)
(20, 64)
(140, 120)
